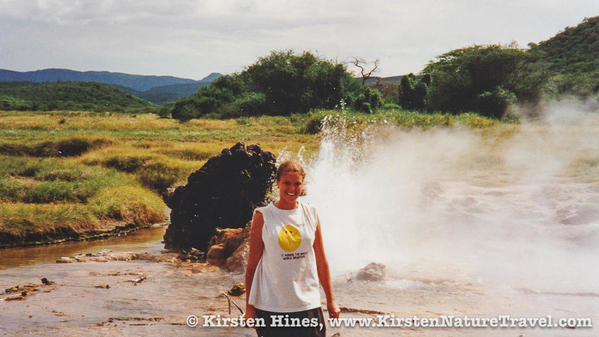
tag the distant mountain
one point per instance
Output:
(137, 82)
(87, 96)
(156, 89)
(173, 92)
(211, 77)
(169, 93)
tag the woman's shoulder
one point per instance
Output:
(264, 209)
(308, 208)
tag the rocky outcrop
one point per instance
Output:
(228, 249)
(372, 272)
(222, 194)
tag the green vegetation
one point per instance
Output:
(125, 162)
(280, 84)
(89, 96)
(55, 148)
(56, 183)
(488, 79)
(129, 204)
(358, 122)
(482, 79)
(71, 187)
(30, 180)
(50, 199)
(570, 60)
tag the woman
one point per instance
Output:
(286, 262)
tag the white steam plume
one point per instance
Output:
(519, 208)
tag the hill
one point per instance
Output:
(570, 59)
(168, 93)
(68, 96)
(156, 89)
(137, 82)
(574, 50)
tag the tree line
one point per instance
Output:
(66, 95)
(279, 84)
(482, 79)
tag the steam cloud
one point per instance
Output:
(517, 206)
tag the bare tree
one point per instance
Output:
(363, 65)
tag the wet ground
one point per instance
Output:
(152, 294)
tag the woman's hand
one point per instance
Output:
(333, 309)
(250, 312)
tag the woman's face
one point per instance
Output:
(290, 186)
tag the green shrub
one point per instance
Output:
(412, 91)
(10, 189)
(69, 147)
(126, 163)
(494, 103)
(159, 176)
(478, 78)
(313, 125)
(280, 84)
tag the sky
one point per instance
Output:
(192, 39)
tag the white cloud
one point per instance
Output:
(192, 38)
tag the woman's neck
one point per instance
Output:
(283, 205)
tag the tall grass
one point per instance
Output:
(29, 180)
(20, 220)
(133, 205)
(67, 147)
(397, 117)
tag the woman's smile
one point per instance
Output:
(290, 187)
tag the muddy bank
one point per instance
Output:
(61, 235)
(109, 294)
(148, 239)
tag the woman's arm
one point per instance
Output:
(322, 265)
(254, 256)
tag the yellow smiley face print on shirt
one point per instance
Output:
(289, 238)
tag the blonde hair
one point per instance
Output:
(290, 166)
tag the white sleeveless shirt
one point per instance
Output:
(286, 278)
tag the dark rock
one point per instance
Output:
(223, 193)
(45, 281)
(238, 289)
(192, 255)
(167, 194)
(372, 272)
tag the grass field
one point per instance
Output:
(70, 175)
